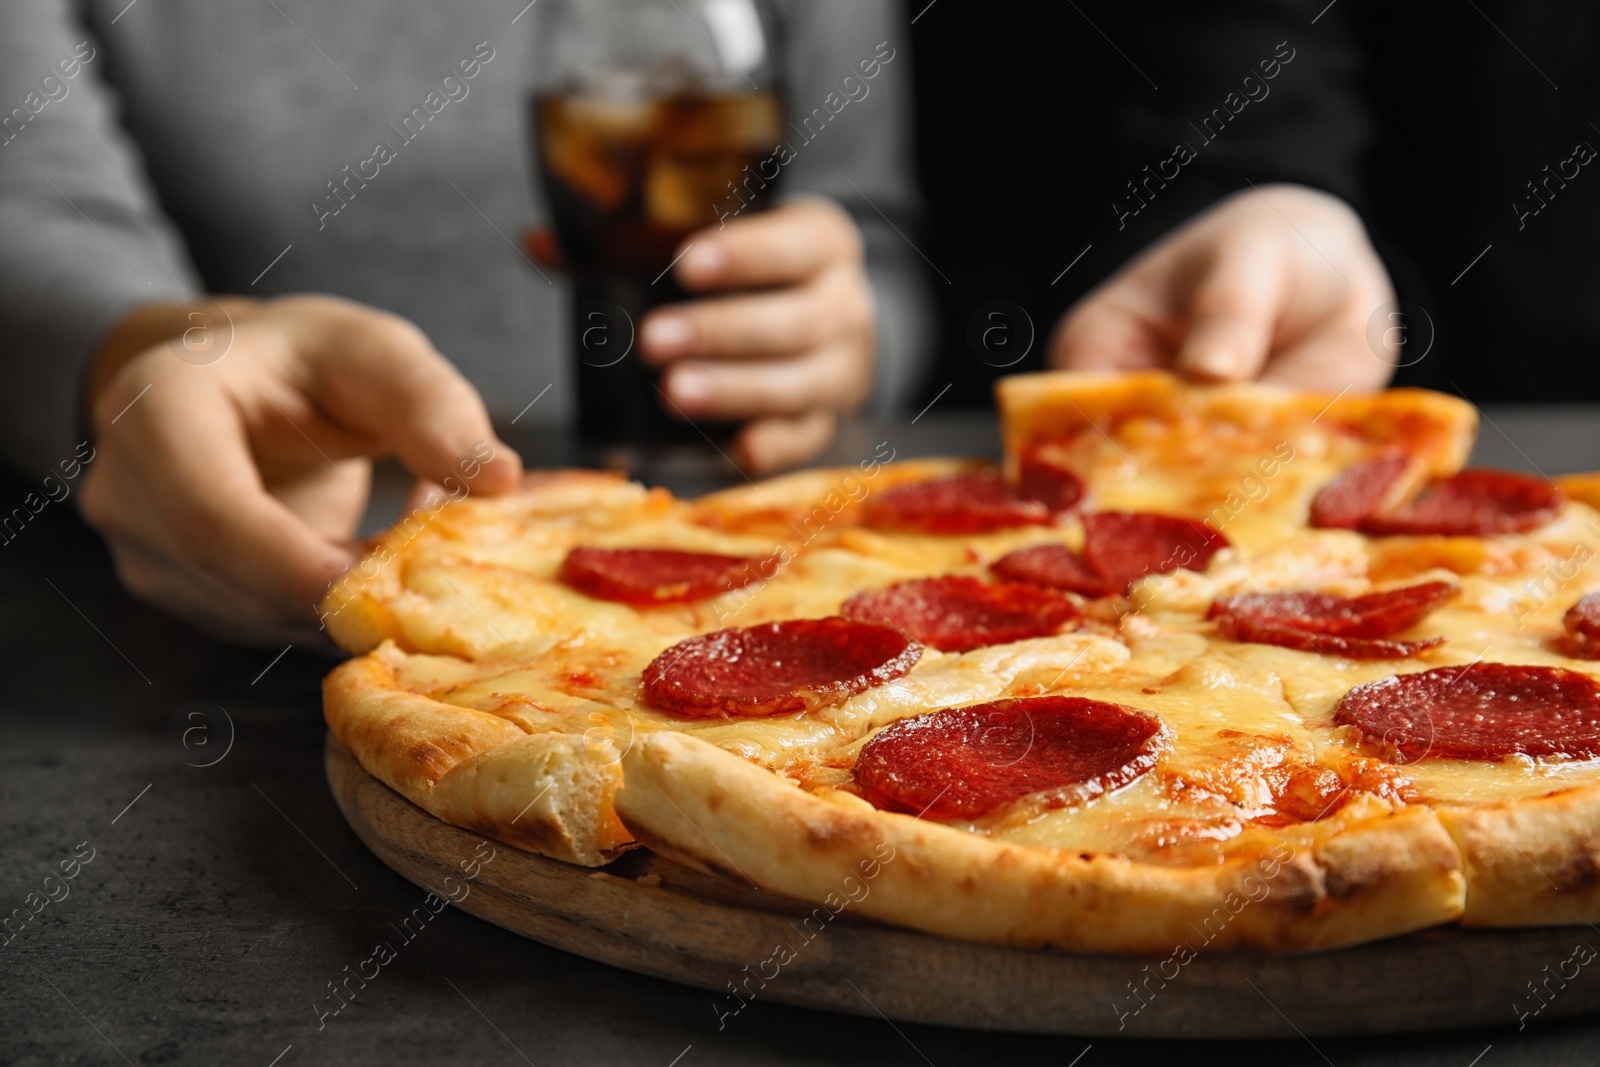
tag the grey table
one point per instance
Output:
(225, 892)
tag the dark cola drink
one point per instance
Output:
(628, 176)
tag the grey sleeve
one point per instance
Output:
(84, 240)
(850, 138)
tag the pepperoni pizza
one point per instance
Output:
(1263, 668)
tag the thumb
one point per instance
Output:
(1234, 309)
(379, 374)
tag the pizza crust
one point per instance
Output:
(1584, 487)
(546, 792)
(371, 603)
(1531, 862)
(1374, 878)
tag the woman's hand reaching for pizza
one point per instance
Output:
(781, 336)
(1278, 283)
(233, 465)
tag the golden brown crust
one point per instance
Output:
(542, 791)
(1584, 488)
(1530, 862)
(1372, 878)
(361, 609)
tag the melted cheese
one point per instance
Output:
(1253, 483)
(1245, 723)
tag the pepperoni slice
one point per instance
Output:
(1124, 546)
(1289, 636)
(965, 503)
(1381, 614)
(1582, 620)
(1474, 503)
(956, 613)
(1335, 625)
(1483, 711)
(1053, 566)
(643, 576)
(1357, 492)
(963, 763)
(1051, 484)
(777, 667)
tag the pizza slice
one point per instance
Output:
(1248, 458)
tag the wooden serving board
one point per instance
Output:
(648, 914)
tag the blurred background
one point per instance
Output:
(1430, 117)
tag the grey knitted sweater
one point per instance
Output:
(164, 148)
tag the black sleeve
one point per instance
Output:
(1253, 91)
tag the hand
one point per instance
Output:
(789, 344)
(229, 491)
(1276, 284)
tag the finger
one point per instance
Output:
(773, 444)
(424, 496)
(778, 247)
(1331, 360)
(222, 610)
(1105, 333)
(154, 566)
(1235, 308)
(762, 326)
(379, 374)
(148, 561)
(329, 498)
(218, 515)
(832, 377)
